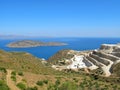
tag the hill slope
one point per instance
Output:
(22, 61)
(22, 70)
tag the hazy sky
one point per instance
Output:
(60, 18)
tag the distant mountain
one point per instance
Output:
(13, 37)
(22, 37)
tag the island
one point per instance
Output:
(32, 43)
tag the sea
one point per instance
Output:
(46, 52)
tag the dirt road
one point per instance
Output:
(10, 83)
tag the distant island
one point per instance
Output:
(32, 43)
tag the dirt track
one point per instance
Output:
(10, 83)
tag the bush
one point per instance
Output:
(3, 86)
(20, 74)
(57, 82)
(21, 86)
(13, 78)
(40, 83)
(13, 73)
(3, 70)
(45, 81)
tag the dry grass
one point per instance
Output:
(23, 62)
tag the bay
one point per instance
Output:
(47, 51)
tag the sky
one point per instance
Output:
(60, 18)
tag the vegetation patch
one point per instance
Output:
(3, 70)
(45, 81)
(20, 74)
(21, 86)
(13, 76)
(3, 86)
(13, 73)
(40, 83)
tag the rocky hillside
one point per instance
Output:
(106, 59)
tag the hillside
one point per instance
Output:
(60, 56)
(32, 43)
(104, 60)
(22, 71)
(21, 61)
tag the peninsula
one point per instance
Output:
(32, 43)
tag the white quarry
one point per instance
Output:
(103, 58)
(77, 62)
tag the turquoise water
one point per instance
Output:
(73, 43)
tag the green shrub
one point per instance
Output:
(57, 82)
(40, 83)
(13, 78)
(45, 81)
(13, 73)
(3, 86)
(3, 70)
(21, 86)
(20, 74)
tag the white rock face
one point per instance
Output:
(77, 62)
